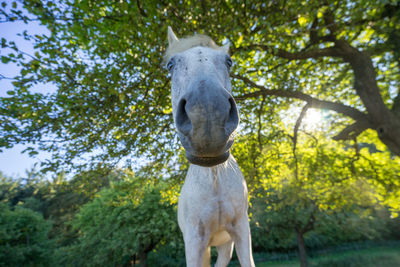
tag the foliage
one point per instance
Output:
(66, 196)
(320, 193)
(24, 238)
(111, 100)
(8, 188)
(122, 224)
(24, 190)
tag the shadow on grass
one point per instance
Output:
(382, 256)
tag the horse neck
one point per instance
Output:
(229, 169)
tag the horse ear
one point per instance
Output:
(225, 48)
(171, 36)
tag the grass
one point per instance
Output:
(279, 264)
(368, 257)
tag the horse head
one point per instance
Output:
(204, 111)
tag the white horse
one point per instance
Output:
(212, 208)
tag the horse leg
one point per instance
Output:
(224, 254)
(242, 239)
(207, 257)
(195, 248)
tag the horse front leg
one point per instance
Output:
(196, 243)
(242, 239)
(207, 257)
(224, 254)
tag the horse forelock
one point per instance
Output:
(186, 43)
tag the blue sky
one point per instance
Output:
(12, 161)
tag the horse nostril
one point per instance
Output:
(233, 118)
(183, 123)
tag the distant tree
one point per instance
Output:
(316, 186)
(8, 188)
(24, 238)
(65, 196)
(29, 190)
(287, 219)
(121, 225)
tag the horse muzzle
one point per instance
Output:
(206, 119)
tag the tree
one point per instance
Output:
(303, 183)
(8, 188)
(24, 238)
(123, 224)
(333, 44)
(66, 196)
(319, 189)
(29, 191)
(112, 97)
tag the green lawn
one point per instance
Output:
(371, 257)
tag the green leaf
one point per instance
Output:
(3, 43)
(303, 20)
(5, 59)
(33, 153)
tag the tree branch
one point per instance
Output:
(310, 224)
(141, 10)
(294, 138)
(313, 102)
(297, 125)
(2, 77)
(353, 130)
(396, 105)
(313, 53)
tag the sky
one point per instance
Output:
(12, 161)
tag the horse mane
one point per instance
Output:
(186, 43)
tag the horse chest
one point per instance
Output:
(215, 199)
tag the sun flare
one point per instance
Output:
(313, 119)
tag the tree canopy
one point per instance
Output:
(23, 238)
(124, 223)
(112, 93)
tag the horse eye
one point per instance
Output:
(170, 65)
(229, 62)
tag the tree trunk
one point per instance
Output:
(382, 119)
(302, 248)
(143, 252)
(133, 260)
(143, 259)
